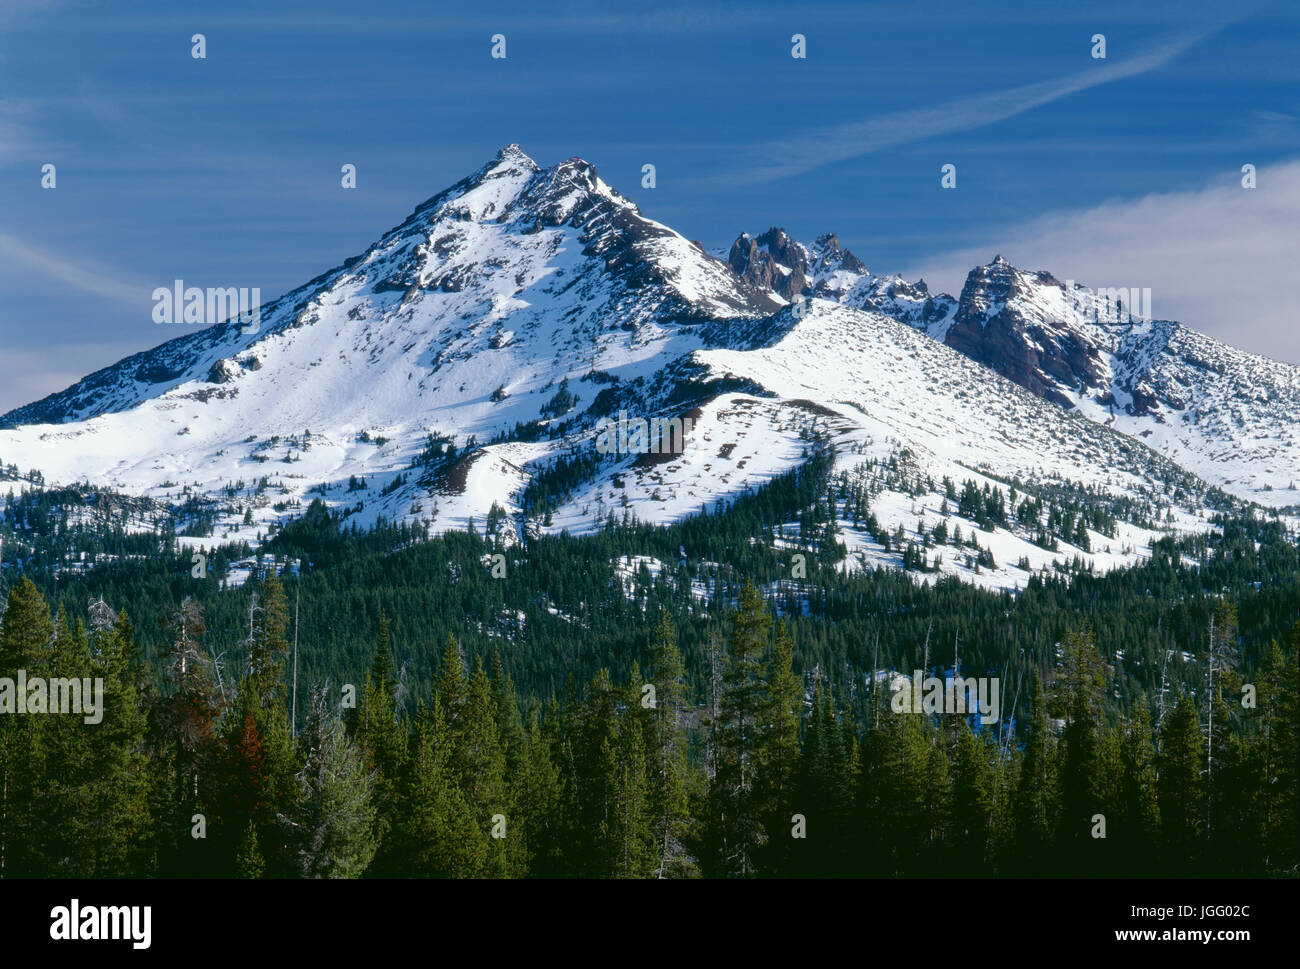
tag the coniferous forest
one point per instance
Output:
(461, 706)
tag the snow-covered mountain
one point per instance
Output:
(1226, 415)
(477, 348)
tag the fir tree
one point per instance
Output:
(330, 823)
(26, 636)
(437, 833)
(738, 831)
(783, 709)
(383, 741)
(1035, 806)
(670, 791)
(1180, 785)
(972, 805)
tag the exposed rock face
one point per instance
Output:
(772, 262)
(994, 325)
(223, 371)
(830, 257)
(1068, 347)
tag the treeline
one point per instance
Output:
(754, 769)
(563, 606)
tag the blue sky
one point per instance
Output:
(225, 171)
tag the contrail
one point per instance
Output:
(803, 153)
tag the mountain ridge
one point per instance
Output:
(472, 350)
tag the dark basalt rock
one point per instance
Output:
(1040, 355)
(759, 262)
(221, 372)
(833, 257)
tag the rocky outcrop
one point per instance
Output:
(992, 326)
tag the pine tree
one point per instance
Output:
(26, 636)
(330, 825)
(260, 760)
(542, 791)
(1077, 699)
(1035, 805)
(631, 834)
(1230, 786)
(589, 752)
(249, 862)
(1137, 821)
(437, 834)
(184, 745)
(383, 742)
(1284, 852)
(479, 764)
(122, 832)
(64, 755)
(938, 799)
(1279, 732)
(825, 783)
(1180, 786)
(738, 831)
(268, 645)
(972, 804)
(451, 684)
(670, 792)
(242, 802)
(514, 749)
(783, 708)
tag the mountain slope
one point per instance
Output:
(1224, 414)
(468, 358)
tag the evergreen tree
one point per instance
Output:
(783, 708)
(249, 862)
(738, 831)
(1180, 786)
(184, 741)
(1137, 819)
(972, 803)
(437, 834)
(121, 835)
(383, 742)
(541, 797)
(479, 764)
(331, 822)
(26, 637)
(826, 778)
(670, 775)
(1077, 700)
(260, 760)
(631, 834)
(514, 749)
(1035, 808)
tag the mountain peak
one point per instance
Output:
(512, 152)
(772, 262)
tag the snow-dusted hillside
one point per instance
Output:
(1228, 416)
(509, 315)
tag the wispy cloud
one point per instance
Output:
(805, 152)
(79, 274)
(33, 373)
(1219, 258)
(15, 129)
